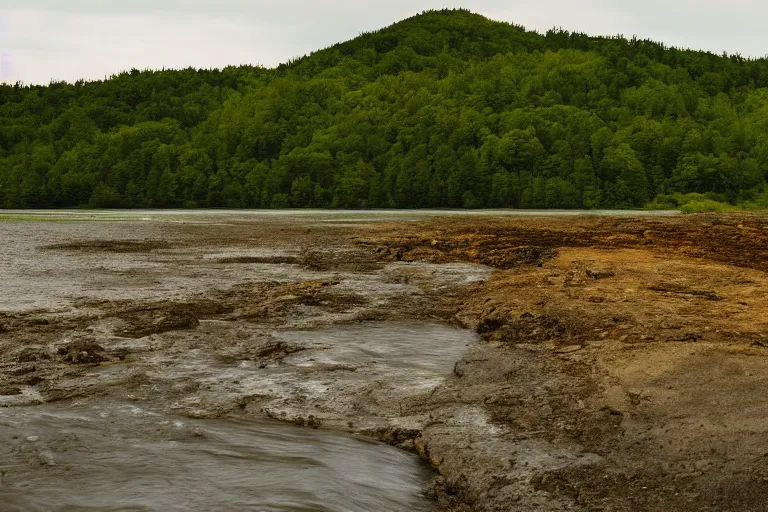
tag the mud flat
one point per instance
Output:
(538, 363)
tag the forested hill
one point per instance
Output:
(445, 109)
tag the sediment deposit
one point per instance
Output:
(547, 363)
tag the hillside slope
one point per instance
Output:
(445, 109)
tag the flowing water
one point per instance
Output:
(139, 453)
(120, 457)
(417, 350)
(130, 456)
(354, 215)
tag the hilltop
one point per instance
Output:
(445, 109)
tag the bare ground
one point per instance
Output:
(622, 362)
(624, 367)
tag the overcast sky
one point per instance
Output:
(42, 40)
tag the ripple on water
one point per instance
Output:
(124, 458)
(415, 349)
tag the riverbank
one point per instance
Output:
(622, 367)
(619, 362)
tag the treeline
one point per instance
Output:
(446, 109)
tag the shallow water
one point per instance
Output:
(339, 364)
(418, 350)
(338, 371)
(127, 455)
(321, 216)
(121, 457)
(35, 278)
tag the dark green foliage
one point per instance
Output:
(446, 109)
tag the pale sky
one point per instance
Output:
(41, 40)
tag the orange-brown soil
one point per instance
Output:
(624, 364)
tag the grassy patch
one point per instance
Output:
(706, 206)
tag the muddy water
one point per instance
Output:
(120, 457)
(35, 275)
(336, 374)
(320, 215)
(416, 350)
(128, 441)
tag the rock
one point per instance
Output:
(693, 337)
(8, 390)
(600, 273)
(175, 322)
(120, 353)
(489, 325)
(679, 289)
(170, 321)
(82, 352)
(274, 349)
(568, 349)
(311, 422)
(32, 354)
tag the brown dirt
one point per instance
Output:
(640, 341)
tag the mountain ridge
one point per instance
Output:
(443, 109)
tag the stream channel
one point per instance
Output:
(161, 445)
